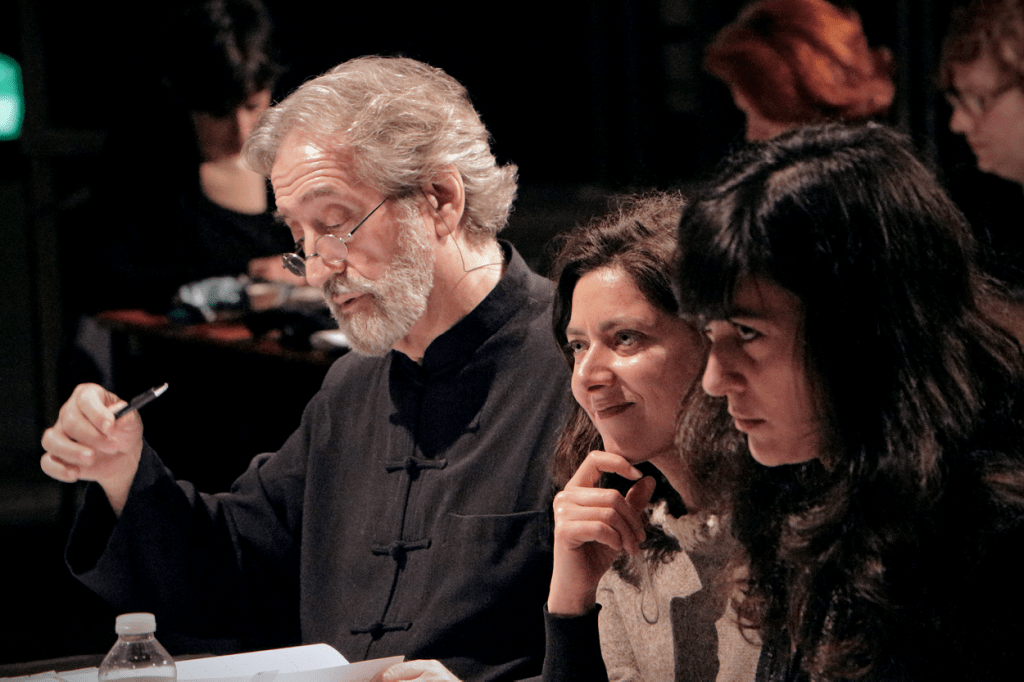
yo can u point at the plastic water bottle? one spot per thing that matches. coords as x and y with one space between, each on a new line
136 654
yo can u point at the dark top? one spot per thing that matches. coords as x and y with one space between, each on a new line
409 514
148 227
573 648
994 207
958 594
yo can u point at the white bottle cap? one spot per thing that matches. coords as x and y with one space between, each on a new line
135 624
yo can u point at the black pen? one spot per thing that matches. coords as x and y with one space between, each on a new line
140 400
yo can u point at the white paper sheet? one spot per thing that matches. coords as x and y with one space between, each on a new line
310 663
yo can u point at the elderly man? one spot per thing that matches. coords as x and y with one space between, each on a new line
982 70
409 513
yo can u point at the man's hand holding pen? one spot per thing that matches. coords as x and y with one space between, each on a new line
88 443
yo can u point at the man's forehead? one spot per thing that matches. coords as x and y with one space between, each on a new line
300 157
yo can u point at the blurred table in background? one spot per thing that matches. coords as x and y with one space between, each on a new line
231 395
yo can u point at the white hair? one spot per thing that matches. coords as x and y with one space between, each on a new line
406 122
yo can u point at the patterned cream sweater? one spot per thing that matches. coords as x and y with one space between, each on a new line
678 624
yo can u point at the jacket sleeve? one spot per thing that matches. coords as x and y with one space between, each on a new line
208 566
573 648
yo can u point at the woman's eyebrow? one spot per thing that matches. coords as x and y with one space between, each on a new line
734 312
621 321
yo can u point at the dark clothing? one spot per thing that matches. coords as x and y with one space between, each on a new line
192 240
573 648
148 227
409 514
957 593
141 261
994 207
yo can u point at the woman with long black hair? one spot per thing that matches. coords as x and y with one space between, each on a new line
837 285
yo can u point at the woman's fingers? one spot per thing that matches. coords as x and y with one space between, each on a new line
599 462
597 515
639 495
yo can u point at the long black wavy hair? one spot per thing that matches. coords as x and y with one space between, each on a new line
909 375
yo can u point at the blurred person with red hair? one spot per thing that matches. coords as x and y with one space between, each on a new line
795 62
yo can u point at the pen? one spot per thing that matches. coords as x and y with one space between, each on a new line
140 400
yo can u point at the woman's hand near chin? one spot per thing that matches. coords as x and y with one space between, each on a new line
592 526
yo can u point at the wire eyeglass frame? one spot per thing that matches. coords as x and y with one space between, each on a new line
334 251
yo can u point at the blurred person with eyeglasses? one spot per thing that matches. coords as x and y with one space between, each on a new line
982 74
410 512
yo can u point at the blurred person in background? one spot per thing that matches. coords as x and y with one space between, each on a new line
795 62
173 201
981 72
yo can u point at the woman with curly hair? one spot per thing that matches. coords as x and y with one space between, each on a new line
837 285
797 62
660 612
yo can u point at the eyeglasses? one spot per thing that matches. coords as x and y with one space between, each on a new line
332 249
976 106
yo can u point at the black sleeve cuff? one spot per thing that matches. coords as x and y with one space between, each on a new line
573 649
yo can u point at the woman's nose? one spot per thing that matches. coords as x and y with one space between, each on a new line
960 122
593 369
720 377
246 120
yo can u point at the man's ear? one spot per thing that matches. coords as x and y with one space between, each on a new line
447 196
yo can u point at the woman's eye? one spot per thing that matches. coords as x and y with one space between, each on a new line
575 347
746 333
626 338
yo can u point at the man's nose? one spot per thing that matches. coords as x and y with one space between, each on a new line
318 271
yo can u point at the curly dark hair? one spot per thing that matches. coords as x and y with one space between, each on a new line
912 380
638 235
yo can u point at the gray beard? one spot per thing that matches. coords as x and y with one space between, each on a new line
398 298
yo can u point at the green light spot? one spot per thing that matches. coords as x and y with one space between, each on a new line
12 99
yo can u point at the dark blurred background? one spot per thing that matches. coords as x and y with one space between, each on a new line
590 99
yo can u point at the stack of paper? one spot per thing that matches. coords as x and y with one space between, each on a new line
310 663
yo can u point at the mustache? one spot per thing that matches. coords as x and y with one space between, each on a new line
342 284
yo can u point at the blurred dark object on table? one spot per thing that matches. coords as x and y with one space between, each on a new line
253 387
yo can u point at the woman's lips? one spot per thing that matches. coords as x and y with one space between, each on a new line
745 424
612 410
